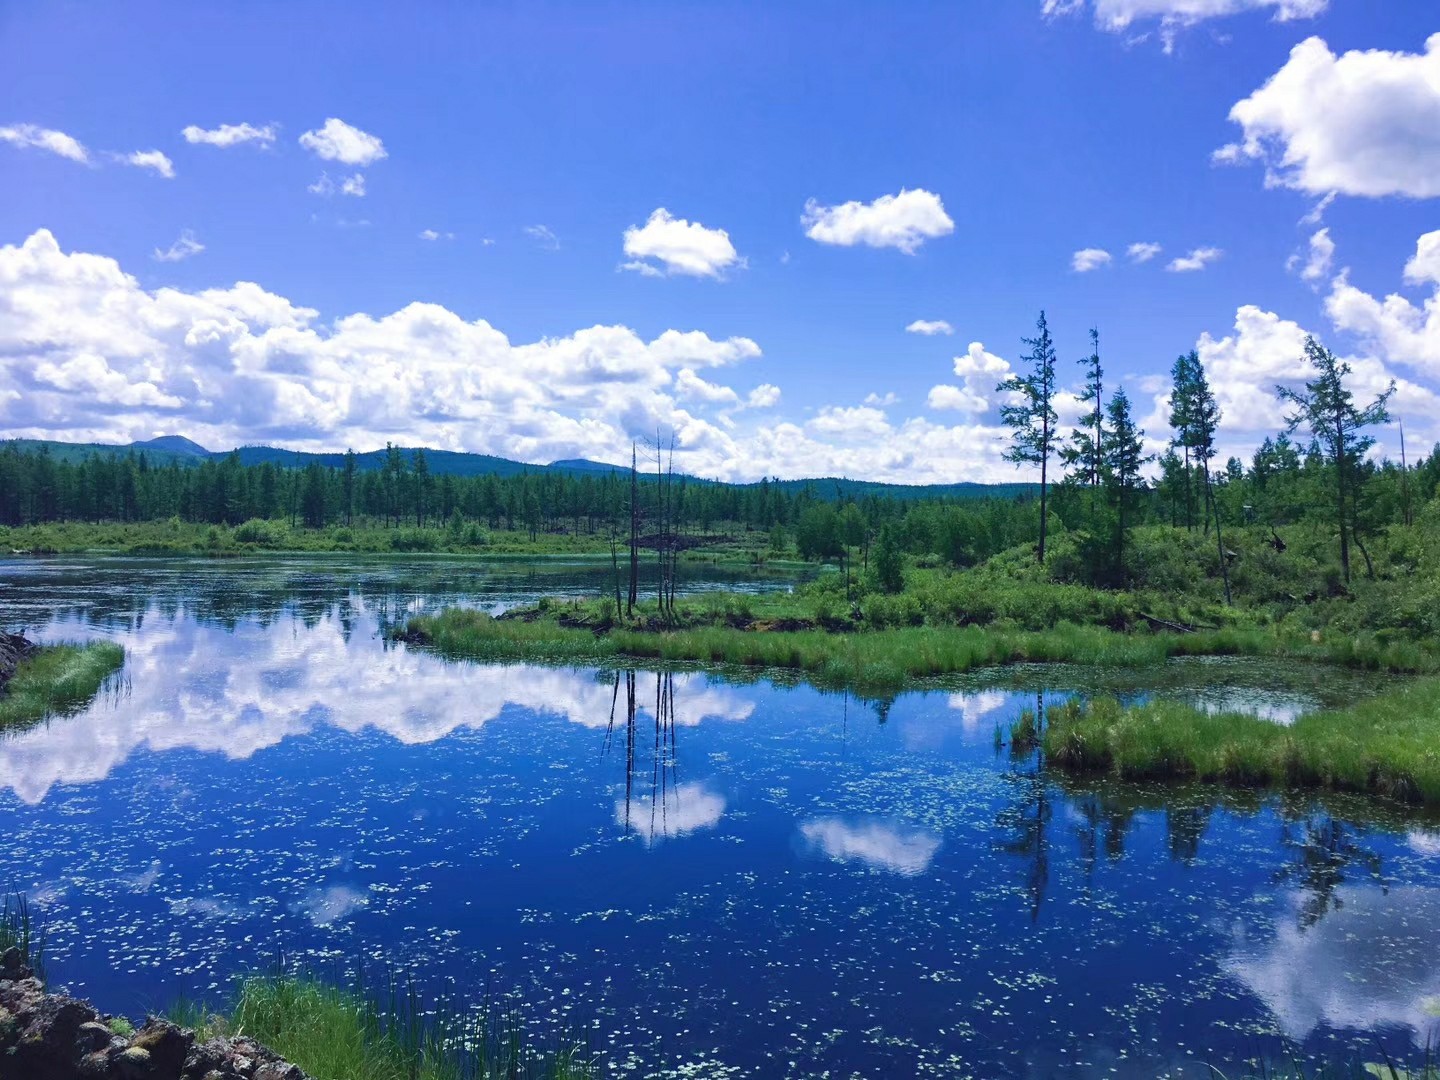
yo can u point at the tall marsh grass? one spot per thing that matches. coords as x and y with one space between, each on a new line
387 1033
1386 745
20 929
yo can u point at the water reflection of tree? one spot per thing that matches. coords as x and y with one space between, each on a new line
1325 852
664 768
1025 822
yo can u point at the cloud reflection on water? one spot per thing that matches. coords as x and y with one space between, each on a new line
875 843
235 693
1371 962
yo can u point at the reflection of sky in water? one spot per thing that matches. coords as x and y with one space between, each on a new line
772 872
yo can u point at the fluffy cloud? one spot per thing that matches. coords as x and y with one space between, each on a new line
981 372
432 235
227 135
1364 123
338 141
1198 259
30 136
1172 16
87 354
1087 259
1424 265
860 422
1142 252
153 160
764 396
1316 263
1264 350
679 247
930 327
903 221
1395 327
185 246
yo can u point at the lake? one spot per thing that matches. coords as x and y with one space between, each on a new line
711 875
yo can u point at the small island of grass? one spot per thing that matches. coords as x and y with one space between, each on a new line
39 681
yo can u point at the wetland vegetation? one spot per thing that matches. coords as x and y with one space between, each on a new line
55 679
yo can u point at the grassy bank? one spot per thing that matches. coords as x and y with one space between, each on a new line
1389 745
335 1033
881 661
56 680
259 536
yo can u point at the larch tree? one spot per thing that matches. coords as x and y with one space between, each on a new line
1085 453
1327 407
1203 418
1122 459
1032 418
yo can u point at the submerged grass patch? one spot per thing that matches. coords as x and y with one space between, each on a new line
57 679
1388 745
331 1032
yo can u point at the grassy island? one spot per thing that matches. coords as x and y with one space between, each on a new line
55 680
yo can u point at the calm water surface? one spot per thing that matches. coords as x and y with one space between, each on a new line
762 879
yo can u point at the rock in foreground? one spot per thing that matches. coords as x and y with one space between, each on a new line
53 1037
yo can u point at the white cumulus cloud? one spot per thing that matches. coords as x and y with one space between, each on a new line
34 137
1087 259
904 221
339 141
1364 123
1198 259
679 247
930 327
153 160
227 135
1142 251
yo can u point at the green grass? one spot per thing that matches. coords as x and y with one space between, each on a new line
879 661
19 929
176 537
56 680
337 1034
1387 745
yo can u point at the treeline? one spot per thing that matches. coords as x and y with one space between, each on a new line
36 488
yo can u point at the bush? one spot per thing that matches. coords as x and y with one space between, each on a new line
262 533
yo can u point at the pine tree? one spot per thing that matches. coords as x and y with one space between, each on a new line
1032 419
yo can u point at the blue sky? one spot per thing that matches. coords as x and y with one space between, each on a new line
1012 135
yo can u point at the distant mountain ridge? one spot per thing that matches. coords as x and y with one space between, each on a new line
177 448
